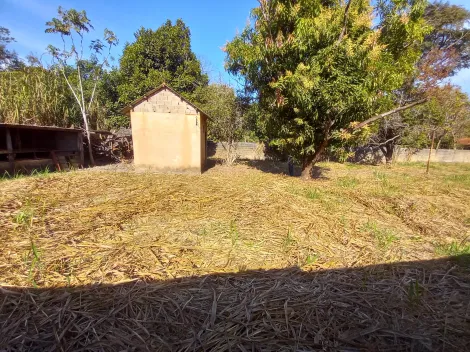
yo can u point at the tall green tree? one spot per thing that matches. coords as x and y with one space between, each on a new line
108 97
316 66
444 51
72 25
158 56
446 115
450 31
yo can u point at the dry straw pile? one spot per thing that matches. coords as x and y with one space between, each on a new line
94 260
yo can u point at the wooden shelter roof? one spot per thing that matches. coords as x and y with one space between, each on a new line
42 128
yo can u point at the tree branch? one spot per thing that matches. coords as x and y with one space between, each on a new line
345 20
71 88
387 141
385 114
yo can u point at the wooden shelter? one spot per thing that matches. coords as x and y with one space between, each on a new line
169 133
31 147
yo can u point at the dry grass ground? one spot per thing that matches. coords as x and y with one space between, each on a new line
61 234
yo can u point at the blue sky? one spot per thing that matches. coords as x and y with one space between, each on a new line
212 24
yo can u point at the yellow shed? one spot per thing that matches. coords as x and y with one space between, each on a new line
168 132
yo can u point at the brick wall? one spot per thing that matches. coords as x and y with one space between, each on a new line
165 101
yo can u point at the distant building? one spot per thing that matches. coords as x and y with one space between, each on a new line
169 133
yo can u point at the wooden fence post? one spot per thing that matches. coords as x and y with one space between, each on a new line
430 151
11 155
80 148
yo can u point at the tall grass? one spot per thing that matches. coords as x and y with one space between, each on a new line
36 95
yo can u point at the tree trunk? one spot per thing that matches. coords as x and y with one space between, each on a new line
90 148
307 165
310 161
430 151
438 145
231 155
389 153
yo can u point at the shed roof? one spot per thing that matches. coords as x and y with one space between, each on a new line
147 95
42 128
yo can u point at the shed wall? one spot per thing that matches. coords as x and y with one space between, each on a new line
167 141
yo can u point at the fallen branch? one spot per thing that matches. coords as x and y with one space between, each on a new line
385 114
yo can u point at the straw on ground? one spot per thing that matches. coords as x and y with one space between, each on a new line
85 228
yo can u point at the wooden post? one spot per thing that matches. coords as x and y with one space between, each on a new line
55 161
11 155
430 151
80 149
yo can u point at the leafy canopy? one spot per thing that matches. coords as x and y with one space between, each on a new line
219 101
163 55
450 31
315 66
447 114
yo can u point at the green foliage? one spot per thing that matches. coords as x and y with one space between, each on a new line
108 97
35 265
315 70
313 193
453 249
226 123
415 292
311 259
348 182
447 113
24 217
220 103
288 241
384 237
461 180
159 56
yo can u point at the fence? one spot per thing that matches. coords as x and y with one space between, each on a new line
440 155
258 151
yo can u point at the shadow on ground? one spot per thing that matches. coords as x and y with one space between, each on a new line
278 167
414 306
211 163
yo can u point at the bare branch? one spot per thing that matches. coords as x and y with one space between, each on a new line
71 88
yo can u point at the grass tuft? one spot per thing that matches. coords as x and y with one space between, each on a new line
453 249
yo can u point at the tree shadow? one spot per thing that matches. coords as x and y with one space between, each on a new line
279 167
408 306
